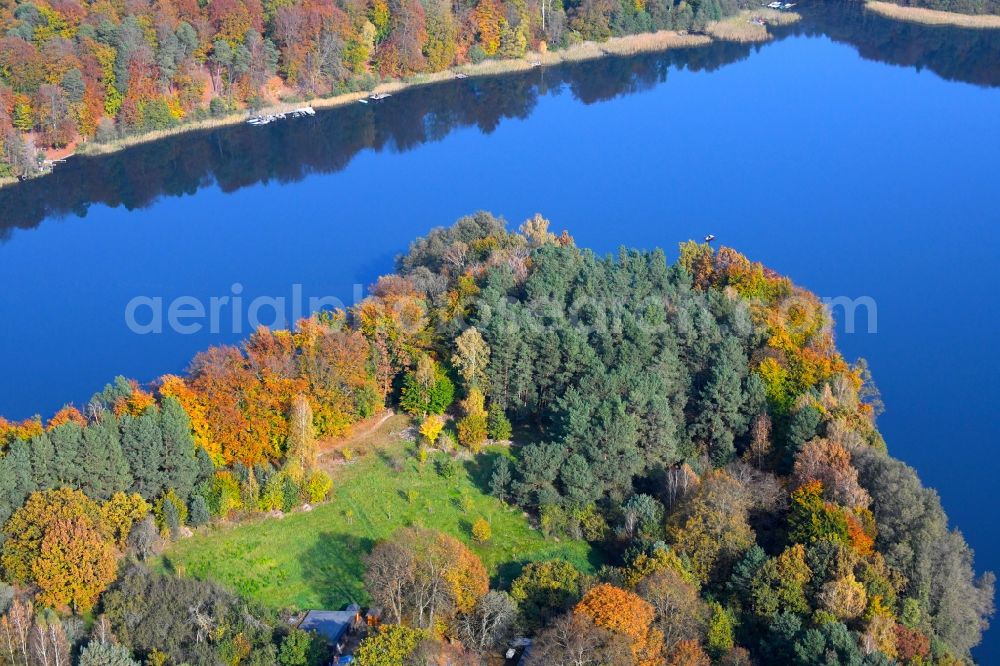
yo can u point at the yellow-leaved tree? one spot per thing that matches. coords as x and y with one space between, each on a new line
58 541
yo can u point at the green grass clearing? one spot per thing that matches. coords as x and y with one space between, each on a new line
315 559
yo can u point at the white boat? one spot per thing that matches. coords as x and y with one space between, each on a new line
709 238
775 5
460 75
379 96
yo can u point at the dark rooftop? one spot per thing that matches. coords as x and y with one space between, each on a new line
332 625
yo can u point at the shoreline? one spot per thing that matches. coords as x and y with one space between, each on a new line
932 17
621 46
627 45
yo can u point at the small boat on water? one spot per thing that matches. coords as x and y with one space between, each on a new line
460 75
709 238
363 100
271 117
379 96
535 63
775 5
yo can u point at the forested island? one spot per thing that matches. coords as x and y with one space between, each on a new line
511 444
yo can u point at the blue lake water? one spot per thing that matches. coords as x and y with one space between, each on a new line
859 156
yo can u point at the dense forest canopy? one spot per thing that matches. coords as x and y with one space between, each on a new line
694 421
72 69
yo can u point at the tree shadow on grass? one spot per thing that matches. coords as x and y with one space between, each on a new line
333 568
506 573
480 469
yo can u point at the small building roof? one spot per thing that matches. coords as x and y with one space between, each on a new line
331 625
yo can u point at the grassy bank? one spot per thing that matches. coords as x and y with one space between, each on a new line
315 559
620 46
749 25
934 16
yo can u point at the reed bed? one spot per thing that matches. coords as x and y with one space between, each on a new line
103 147
732 30
744 28
652 42
934 16
774 16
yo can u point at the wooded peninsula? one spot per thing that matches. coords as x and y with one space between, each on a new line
514 447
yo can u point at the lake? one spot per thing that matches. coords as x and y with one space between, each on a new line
857 155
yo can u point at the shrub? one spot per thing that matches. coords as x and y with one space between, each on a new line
272 497
300 648
170 512
427 389
224 495
446 467
106 131
481 531
218 107
144 540
431 427
446 441
318 485
545 590
390 646
97 653
497 424
289 494
156 115
198 511
472 431
6 597
477 54
120 513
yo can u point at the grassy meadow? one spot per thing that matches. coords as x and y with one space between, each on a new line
315 559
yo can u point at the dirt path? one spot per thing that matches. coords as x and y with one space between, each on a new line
359 432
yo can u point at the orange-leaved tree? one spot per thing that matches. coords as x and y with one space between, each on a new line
625 613
75 564
58 541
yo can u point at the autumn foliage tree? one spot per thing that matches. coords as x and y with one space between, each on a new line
75 563
423 577
242 401
58 542
625 613
829 463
